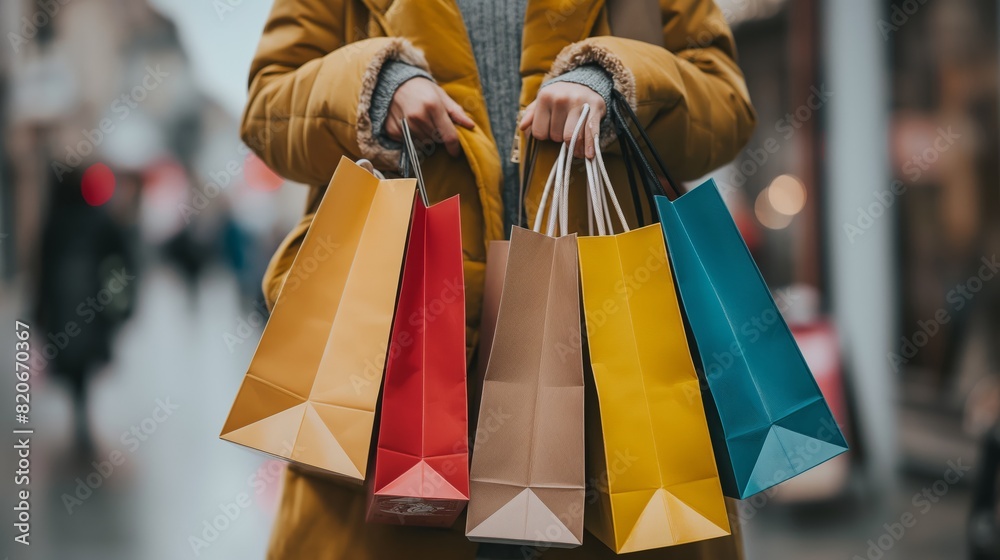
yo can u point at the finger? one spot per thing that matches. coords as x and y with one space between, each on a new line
527 117
456 113
422 128
540 123
393 128
598 110
569 126
445 131
558 121
424 133
589 133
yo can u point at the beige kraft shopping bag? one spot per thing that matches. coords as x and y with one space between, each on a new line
527 479
496 268
527 463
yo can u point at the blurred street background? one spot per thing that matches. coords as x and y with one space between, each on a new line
869 197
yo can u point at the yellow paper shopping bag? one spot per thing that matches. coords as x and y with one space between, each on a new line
649 452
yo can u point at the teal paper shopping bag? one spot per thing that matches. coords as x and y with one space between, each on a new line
768 419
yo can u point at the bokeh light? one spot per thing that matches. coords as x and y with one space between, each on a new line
259 176
767 215
787 195
98 184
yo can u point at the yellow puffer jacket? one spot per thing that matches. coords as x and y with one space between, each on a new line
311 86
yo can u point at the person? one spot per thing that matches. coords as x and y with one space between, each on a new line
335 78
82 299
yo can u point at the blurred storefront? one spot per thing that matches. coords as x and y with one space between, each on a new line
871 186
945 146
111 84
781 191
941 111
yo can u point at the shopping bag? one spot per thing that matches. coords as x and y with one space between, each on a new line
496 269
650 454
768 418
310 391
527 462
421 468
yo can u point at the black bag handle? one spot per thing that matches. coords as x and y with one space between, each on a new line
627 160
622 113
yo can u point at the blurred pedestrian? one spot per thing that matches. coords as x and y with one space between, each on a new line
86 287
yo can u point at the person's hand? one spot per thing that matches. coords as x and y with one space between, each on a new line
553 115
431 114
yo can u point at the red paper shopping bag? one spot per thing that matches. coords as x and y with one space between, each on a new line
422 458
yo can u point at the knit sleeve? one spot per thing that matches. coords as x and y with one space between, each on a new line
590 75
393 74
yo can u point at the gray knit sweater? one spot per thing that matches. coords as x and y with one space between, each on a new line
494 28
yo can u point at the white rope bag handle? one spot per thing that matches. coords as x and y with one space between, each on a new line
557 185
601 191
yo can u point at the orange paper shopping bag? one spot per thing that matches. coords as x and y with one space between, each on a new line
310 393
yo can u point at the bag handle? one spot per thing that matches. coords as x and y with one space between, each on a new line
368 166
553 180
601 191
627 160
557 185
410 163
593 204
622 113
597 202
564 200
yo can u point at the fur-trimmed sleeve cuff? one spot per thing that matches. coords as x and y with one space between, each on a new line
583 53
586 53
393 75
368 138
